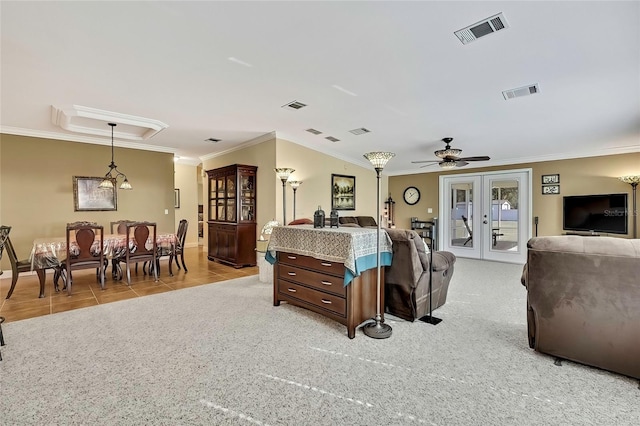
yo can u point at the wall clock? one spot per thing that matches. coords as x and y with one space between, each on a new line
411 195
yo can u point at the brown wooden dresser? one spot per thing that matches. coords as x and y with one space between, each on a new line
318 285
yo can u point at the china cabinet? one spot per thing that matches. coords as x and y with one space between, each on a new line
232 215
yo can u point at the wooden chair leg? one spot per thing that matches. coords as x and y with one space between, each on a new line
14 280
182 260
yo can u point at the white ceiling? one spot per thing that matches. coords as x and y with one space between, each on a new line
414 81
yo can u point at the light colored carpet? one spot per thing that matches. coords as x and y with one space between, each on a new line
222 354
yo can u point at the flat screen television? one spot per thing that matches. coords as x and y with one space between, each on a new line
604 213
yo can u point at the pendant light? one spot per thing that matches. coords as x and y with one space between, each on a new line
109 178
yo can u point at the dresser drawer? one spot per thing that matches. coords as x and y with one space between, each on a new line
322 282
322 266
330 302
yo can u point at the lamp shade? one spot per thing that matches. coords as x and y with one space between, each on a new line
379 159
448 164
284 173
630 179
449 152
295 183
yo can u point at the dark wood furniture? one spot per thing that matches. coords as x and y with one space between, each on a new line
81 256
428 231
136 250
318 285
232 215
181 236
17 266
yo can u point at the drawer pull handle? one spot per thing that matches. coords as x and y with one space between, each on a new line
326 264
326 283
326 302
292 257
291 274
291 290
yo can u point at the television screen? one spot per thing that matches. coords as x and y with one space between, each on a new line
606 213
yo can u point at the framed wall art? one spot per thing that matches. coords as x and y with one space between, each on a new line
551 189
343 192
88 196
550 179
176 198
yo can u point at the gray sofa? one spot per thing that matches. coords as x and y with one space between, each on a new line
583 300
406 281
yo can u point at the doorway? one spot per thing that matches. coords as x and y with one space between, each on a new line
486 215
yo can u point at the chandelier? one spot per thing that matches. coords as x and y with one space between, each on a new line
110 178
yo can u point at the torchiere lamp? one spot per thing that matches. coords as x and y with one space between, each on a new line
294 185
284 173
378 329
633 181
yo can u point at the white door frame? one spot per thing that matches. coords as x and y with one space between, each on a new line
483 249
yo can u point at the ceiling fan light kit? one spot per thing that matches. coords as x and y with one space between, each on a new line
450 157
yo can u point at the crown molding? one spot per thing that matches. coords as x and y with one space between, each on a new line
82 139
250 142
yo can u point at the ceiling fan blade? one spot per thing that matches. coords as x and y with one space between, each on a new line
427 165
425 161
461 163
479 158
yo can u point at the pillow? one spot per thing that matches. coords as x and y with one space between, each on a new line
303 221
347 219
366 221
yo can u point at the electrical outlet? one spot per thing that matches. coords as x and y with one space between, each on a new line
429 210
166 211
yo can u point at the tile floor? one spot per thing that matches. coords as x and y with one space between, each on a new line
24 302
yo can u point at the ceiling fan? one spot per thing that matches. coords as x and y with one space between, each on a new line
450 157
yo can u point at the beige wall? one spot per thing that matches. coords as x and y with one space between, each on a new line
37 187
311 167
186 180
592 175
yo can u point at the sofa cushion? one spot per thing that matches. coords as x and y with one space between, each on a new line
347 219
303 221
366 221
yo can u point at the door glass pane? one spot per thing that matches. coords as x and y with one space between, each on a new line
461 228
504 215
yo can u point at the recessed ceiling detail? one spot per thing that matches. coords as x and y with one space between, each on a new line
531 89
482 28
360 131
314 131
332 139
92 121
295 105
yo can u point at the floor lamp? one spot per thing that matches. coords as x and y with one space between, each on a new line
294 185
430 319
633 181
284 173
378 329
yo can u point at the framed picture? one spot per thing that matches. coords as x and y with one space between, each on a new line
176 198
343 192
549 179
88 196
551 189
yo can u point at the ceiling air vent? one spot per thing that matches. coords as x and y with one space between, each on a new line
482 28
360 131
314 131
332 139
531 89
213 140
295 105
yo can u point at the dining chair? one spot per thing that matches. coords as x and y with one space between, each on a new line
84 253
17 266
179 248
120 226
466 224
138 233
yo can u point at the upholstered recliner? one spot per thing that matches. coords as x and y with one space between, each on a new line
583 300
407 279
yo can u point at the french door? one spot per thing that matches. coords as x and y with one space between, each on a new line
486 215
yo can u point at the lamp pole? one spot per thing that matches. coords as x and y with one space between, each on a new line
378 329
284 173
294 185
633 181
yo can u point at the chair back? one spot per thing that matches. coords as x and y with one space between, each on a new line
85 253
4 234
120 226
138 233
466 224
181 235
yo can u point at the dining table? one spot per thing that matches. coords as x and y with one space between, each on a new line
50 252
